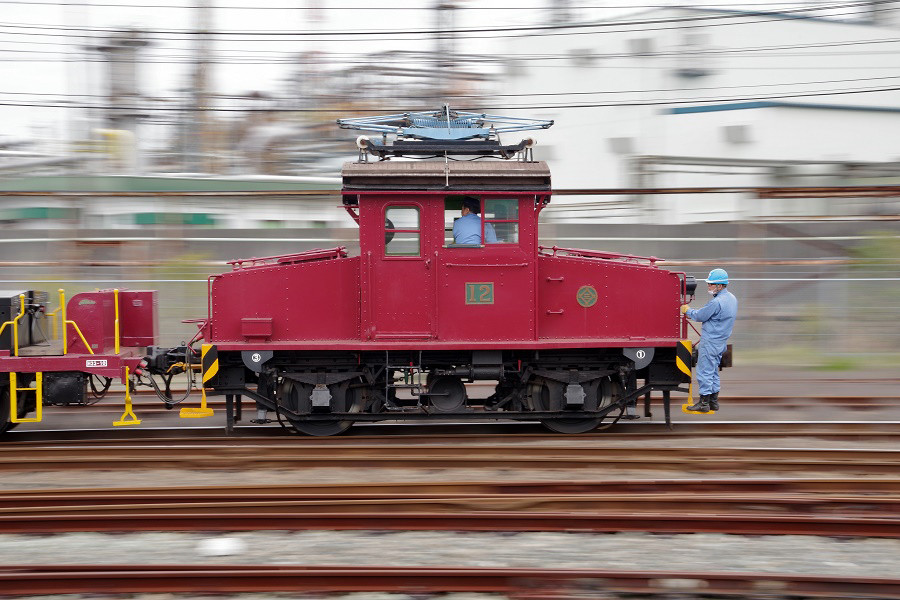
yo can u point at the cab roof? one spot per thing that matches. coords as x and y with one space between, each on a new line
509 175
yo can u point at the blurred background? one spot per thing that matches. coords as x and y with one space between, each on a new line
182 103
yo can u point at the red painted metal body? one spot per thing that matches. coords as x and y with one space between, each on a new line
94 313
420 291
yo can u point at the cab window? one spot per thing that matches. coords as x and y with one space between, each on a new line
499 221
452 206
503 215
401 231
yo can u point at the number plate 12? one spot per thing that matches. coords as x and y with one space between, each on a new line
479 293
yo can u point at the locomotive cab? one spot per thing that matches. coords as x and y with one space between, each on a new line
417 281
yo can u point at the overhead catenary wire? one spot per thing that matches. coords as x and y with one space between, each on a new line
296 57
635 102
524 30
500 95
699 51
402 7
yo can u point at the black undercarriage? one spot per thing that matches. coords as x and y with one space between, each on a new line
324 393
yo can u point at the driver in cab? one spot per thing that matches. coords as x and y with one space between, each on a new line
467 228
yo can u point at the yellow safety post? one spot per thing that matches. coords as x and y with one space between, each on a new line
116 302
209 361
197 413
62 308
52 314
128 417
14 390
66 323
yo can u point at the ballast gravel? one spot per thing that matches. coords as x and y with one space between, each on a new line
866 557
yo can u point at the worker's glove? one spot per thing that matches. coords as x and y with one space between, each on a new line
684 308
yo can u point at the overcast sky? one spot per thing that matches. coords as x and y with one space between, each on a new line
45 55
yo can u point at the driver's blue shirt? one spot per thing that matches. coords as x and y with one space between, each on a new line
467 230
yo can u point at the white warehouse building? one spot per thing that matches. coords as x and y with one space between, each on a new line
684 97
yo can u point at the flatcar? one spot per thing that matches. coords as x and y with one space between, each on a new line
324 339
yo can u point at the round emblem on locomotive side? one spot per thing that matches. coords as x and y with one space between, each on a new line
587 296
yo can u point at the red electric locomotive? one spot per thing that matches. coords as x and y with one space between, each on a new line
324 339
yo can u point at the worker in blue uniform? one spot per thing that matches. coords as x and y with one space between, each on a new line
467 228
718 320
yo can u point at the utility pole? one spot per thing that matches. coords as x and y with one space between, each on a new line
445 45
561 12
199 144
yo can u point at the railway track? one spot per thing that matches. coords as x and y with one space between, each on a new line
785 506
878 486
451 433
519 583
247 453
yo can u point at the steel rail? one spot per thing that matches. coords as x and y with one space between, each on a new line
811 514
424 432
246 454
868 486
656 522
523 582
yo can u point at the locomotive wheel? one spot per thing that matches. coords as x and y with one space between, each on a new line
447 394
298 398
550 396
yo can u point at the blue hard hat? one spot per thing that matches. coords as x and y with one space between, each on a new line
717 276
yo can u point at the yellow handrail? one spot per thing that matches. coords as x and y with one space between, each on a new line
66 323
78 331
116 301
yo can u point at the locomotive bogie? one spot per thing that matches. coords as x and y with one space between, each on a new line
324 393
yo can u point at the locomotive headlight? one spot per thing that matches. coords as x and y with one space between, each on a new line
690 285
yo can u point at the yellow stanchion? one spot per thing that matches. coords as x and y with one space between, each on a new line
128 417
197 413
14 389
66 323
62 309
116 301
55 320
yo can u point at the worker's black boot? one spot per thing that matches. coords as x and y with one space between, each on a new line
702 404
714 401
